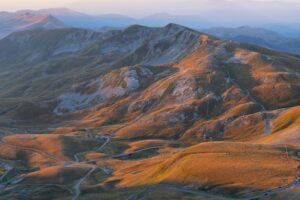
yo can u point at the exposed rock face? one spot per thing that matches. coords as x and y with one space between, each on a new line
115 84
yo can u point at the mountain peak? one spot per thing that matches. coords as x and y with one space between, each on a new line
136 27
52 22
173 25
176 27
27 19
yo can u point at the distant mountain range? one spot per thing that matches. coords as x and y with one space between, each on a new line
203 20
63 17
259 36
81 20
19 21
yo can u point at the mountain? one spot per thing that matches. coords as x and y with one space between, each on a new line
59 12
288 30
203 20
142 112
259 36
82 20
26 47
11 22
162 19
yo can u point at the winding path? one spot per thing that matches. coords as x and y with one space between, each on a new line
98 138
76 188
8 169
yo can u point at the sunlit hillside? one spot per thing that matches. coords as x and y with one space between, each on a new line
135 112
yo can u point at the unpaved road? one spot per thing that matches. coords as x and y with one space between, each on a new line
76 188
107 140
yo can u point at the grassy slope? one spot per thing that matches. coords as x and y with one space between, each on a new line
286 128
221 165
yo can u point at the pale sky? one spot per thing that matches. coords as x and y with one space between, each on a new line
139 8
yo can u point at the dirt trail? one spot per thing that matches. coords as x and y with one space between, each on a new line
76 188
107 140
7 168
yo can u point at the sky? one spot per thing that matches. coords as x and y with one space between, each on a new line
279 10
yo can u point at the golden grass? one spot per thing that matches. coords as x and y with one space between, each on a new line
61 147
49 143
146 144
223 164
286 128
29 158
289 119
